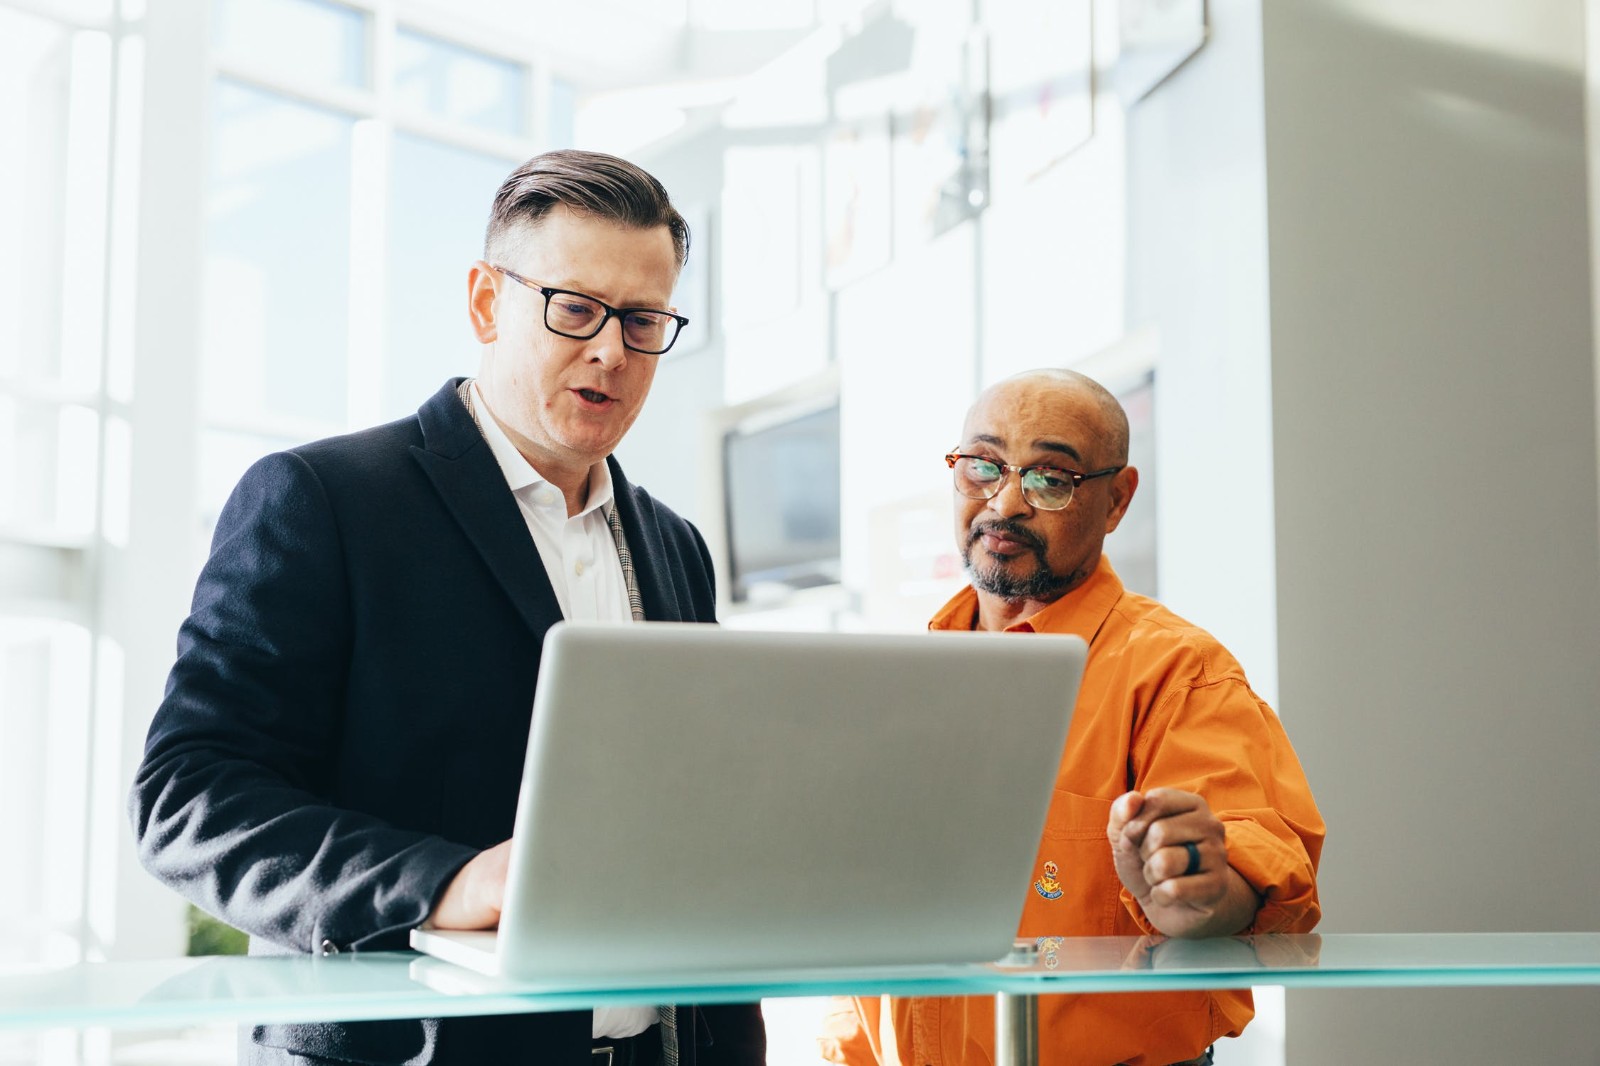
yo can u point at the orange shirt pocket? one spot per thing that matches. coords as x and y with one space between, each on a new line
1074 888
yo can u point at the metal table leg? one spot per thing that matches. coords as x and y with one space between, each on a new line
1016 1029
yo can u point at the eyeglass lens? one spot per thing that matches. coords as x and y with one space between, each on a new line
981 479
579 316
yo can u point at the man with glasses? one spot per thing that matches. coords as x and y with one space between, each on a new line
1180 808
338 756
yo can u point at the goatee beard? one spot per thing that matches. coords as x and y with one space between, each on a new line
1042 584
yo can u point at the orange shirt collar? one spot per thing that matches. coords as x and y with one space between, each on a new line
1080 612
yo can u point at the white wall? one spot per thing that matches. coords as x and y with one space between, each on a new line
1157 222
663 450
1438 537
1197 275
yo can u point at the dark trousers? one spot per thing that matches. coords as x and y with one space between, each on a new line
641 1050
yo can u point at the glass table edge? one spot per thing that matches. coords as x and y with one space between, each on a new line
410 1001
323 1008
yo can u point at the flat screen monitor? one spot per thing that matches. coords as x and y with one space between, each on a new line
781 500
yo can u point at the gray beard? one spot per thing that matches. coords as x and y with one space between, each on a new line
1042 585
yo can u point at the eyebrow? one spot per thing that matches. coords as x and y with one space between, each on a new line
1041 445
572 286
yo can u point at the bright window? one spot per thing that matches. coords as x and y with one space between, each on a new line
439 205
348 167
53 131
277 261
54 140
459 85
307 40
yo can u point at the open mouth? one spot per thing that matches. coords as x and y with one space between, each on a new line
593 395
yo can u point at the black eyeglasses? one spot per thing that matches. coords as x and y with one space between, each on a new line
1048 488
576 315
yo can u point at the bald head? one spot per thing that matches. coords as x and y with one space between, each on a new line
1024 547
1050 387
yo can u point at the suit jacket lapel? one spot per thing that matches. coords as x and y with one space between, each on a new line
471 485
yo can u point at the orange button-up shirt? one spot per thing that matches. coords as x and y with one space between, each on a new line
1161 704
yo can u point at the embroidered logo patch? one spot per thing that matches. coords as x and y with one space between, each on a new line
1047 886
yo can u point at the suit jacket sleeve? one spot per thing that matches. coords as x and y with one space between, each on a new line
229 804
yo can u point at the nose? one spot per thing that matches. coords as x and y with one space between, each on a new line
1009 502
606 347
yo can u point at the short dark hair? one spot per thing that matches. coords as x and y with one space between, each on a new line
589 182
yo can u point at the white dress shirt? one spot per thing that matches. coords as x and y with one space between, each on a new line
579 553
581 558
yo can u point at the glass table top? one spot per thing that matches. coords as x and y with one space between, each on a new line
355 987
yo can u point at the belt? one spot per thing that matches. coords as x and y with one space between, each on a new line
641 1050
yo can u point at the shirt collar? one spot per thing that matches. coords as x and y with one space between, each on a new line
520 474
1080 612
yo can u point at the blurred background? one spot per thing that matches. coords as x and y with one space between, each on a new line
1334 255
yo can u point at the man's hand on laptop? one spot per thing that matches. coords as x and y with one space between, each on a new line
473 898
1172 855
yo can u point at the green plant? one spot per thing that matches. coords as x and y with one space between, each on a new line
208 936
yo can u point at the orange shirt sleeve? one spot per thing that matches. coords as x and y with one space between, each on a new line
850 1031
1210 734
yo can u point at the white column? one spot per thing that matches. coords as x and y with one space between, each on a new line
1438 567
141 606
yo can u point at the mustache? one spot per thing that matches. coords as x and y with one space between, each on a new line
1010 528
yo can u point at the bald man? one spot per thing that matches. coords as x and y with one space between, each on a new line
1180 808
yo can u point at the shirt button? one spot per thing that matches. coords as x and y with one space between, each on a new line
578 567
544 498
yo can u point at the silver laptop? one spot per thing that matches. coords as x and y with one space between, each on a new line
699 801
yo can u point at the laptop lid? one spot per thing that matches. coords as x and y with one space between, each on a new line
699 799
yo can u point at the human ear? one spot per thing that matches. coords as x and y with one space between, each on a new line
482 290
1124 483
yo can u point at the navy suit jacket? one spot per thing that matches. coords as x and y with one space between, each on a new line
346 722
